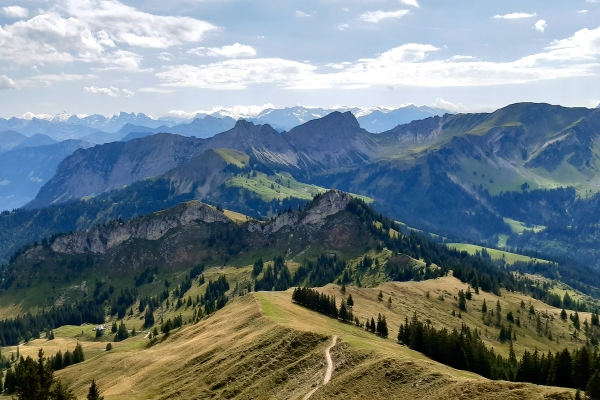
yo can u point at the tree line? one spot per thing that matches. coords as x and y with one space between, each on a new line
325 304
29 326
480 273
29 379
464 349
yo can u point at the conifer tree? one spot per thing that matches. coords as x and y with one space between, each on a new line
148 318
350 301
462 302
582 369
343 289
498 312
94 392
563 315
9 381
380 296
484 307
78 354
61 392
592 389
122 332
343 313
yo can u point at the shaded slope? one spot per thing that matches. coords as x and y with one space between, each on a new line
23 171
187 182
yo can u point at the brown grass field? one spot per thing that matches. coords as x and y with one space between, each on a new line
262 346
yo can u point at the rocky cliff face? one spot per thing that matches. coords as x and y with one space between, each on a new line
334 141
100 240
111 166
315 215
153 227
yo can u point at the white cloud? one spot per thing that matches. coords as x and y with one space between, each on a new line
343 27
126 24
63 77
235 74
582 11
459 107
235 50
378 16
235 112
165 56
128 93
93 31
406 65
541 25
461 58
592 1
302 14
29 116
410 3
109 91
7 83
123 60
155 90
515 16
15 12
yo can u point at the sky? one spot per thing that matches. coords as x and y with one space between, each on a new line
177 57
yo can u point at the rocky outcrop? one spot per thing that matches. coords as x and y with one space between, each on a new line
153 227
314 215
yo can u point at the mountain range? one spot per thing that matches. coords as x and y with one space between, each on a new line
470 238
443 174
91 128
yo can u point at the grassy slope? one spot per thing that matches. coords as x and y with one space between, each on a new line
233 157
279 186
495 254
263 346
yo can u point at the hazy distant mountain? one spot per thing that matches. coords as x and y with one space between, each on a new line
56 129
101 129
10 140
36 140
24 171
204 127
373 119
380 121
116 122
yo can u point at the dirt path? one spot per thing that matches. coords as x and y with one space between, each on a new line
328 371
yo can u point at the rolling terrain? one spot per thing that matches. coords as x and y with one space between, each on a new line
264 346
239 335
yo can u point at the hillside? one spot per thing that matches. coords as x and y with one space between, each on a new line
173 241
220 176
194 266
263 346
